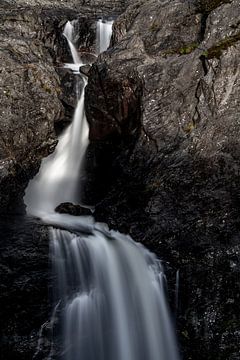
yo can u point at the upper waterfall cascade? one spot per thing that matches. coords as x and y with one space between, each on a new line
104 33
110 291
57 179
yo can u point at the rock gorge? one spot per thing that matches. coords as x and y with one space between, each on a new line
163 108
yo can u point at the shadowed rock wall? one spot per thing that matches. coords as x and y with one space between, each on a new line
36 96
175 186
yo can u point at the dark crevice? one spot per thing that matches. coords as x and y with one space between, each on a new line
204 64
213 91
203 27
196 115
106 102
207 6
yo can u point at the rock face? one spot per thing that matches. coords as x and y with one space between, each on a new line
93 7
175 180
24 286
30 103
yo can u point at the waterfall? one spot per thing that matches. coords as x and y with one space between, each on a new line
104 33
69 34
113 296
109 290
57 180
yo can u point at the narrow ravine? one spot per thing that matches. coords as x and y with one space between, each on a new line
109 290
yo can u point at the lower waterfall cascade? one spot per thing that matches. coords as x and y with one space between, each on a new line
109 290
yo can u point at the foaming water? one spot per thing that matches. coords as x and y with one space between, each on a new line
109 294
113 296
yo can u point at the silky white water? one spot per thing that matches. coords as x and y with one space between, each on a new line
104 33
69 34
109 292
112 292
57 180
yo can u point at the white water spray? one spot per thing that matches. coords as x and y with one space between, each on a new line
110 289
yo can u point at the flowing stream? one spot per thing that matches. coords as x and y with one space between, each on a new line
110 290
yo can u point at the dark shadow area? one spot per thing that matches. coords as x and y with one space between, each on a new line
24 285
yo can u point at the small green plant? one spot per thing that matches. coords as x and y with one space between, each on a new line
185 334
154 27
189 127
188 49
205 53
185 50
216 50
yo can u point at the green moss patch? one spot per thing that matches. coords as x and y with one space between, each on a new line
216 50
187 49
184 50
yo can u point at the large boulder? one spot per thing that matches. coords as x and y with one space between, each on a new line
72 209
175 182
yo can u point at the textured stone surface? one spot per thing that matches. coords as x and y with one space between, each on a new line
175 186
29 102
24 286
93 7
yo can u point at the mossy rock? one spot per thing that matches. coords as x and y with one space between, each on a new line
216 50
188 49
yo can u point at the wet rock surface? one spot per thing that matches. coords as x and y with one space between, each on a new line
175 185
72 209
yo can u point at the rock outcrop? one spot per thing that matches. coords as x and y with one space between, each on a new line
29 102
72 209
175 182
